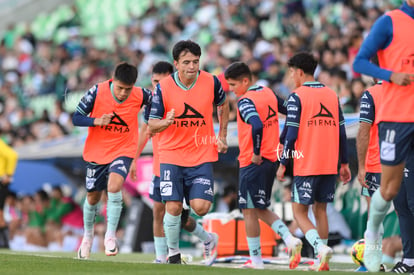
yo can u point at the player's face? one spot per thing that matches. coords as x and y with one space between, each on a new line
410 3
156 78
187 66
121 90
238 87
295 76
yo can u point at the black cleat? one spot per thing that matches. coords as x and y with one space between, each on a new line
401 267
176 259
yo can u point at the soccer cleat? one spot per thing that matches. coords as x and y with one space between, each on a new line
373 253
401 267
250 265
176 259
322 264
85 249
294 250
361 268
210 249
111 246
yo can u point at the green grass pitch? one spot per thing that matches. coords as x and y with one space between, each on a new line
27 263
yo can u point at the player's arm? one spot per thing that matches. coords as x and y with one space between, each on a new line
366 119
157 123
10 158
281 105
379 37
292 128
223 110
344 171
249 115
81 116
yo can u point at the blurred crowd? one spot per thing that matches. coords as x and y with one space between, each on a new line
52 220
262 33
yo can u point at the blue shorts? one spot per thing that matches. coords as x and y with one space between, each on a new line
308 189
97 174
178 182
255 185
373 181
154 192
396 141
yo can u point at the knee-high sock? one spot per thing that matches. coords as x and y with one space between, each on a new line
255 249
281 229
377 212
172 227
200 233
314 239
114 209
89 214
161 249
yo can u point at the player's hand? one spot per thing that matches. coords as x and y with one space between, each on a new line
169 119
133 170
280 175
402 79
222 146
345 173
105 119
361 177
257 159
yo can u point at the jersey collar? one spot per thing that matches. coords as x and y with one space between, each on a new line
181 85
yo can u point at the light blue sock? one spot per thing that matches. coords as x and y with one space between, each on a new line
386 259
281 229
255 249
114 209
200 233
89 214
377 212
161 249
172 227
313 238
324 241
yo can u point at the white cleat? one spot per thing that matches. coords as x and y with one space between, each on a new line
85 249
111 246
210 250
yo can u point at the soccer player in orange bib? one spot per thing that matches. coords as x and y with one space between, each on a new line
110 110
315 139
392 40
258 132
161 70
182 113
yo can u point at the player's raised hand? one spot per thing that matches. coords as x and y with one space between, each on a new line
105 119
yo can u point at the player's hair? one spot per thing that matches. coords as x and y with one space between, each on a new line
126 73
185 46
238 71
163 67
304 61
